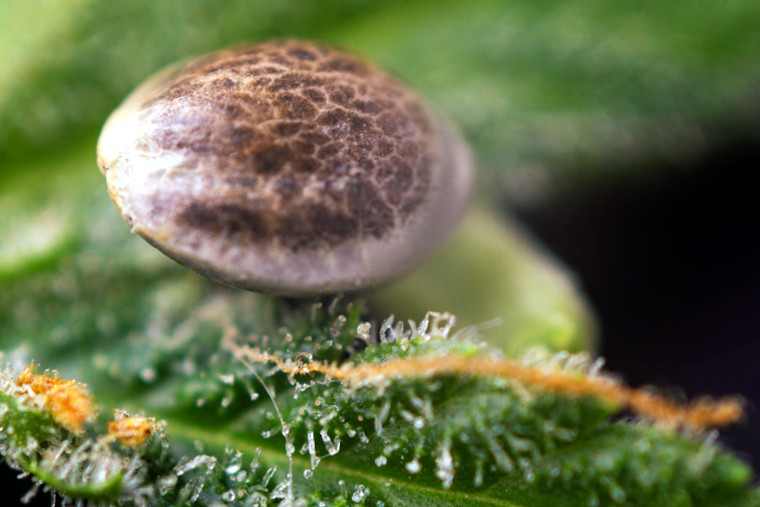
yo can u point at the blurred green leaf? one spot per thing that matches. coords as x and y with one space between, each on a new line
492 276
172 346
61 78
582 85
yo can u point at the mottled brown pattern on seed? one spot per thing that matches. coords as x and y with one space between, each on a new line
306 147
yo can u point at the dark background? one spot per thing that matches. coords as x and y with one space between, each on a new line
671 263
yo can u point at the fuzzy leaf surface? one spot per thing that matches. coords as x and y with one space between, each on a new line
589 86
237 421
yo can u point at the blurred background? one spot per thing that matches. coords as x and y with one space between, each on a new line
623 134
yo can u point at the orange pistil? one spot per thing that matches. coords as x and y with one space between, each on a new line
131 431
66 400
701 414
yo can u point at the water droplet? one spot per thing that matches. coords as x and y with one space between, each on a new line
386 331
381 461
283 489
202 460
228 496
308 474
332 448
520 445
445 467
422 328
268 476
381 417
363 331
642 445
596 367
565 434
617 493
30 494
450 322
235 464
314 459
228 379
477 481
604 463
413 467
31 445
406 415
359 493
327 418
503 461
255 461
166 484
148 374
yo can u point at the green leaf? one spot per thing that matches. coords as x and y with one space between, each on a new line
590 86
66 65
587 86
391 438
517 294
151 338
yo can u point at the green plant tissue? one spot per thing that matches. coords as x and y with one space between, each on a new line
471 382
